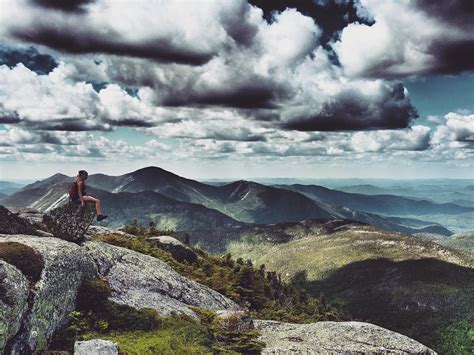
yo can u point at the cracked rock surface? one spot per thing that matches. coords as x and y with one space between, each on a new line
13 301
141 281
54 295
335 338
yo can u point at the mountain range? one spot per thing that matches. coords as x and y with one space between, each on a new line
175 202
383 203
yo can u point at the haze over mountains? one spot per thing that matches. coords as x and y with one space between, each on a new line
175 202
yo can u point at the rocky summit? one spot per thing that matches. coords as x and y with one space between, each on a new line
70 221
38 296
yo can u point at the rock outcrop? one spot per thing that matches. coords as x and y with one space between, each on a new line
13 301
141 281
10 223
101 230
178 250
54 295
95 347
70 221
335 338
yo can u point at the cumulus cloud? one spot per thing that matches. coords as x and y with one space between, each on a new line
415 138
23 144
54 102
160 30
423 37
272 71
456 128
223 79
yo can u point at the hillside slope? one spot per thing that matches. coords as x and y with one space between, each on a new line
412 286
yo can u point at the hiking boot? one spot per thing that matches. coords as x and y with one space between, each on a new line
100 217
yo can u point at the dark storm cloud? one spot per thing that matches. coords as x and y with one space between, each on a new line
453 57
239 97
353 112
130 122
77 6
39 63
331 15
457 12
80 40
66 124
8 117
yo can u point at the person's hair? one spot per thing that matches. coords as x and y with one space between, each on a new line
83 173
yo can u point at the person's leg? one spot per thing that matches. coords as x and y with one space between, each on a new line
96 201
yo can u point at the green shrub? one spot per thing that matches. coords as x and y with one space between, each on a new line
228 336
135 228
135 331
24 258
266 296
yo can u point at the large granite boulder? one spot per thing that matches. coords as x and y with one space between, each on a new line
141 281
335 338
178 250
10 223
53 297
70 221
95 347
13 301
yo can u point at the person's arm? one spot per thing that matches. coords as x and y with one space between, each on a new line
79 191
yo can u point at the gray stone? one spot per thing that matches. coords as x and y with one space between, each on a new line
10 223
13 301
178 250
33 216
335 338
95 347
141 281
101 230
66 265
70 221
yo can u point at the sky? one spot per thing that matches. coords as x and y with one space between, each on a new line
237 89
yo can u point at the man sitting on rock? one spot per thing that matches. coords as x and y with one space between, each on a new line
77 191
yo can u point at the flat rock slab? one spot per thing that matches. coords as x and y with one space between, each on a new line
141 281
335 338
95 347
70 221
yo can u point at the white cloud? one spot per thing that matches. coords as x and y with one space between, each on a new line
408 37
457 128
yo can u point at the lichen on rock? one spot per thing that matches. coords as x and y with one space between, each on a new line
335 338
70 221
95 347
13 301
142 281
66 265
